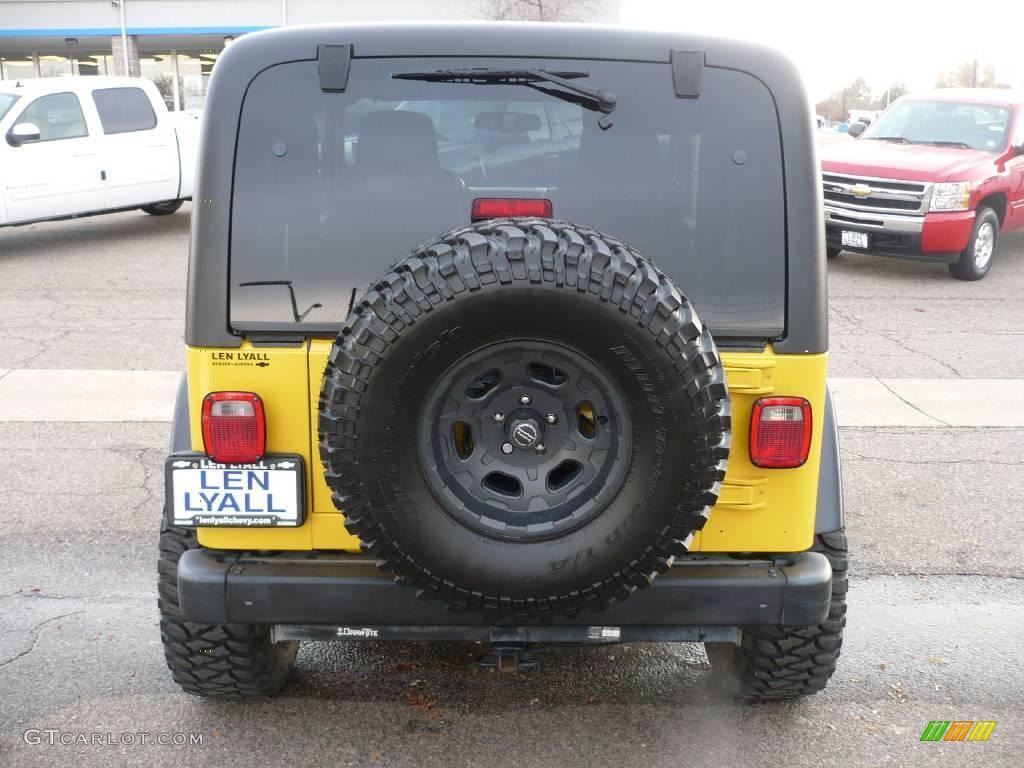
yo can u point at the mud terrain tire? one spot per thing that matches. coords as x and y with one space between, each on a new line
551 313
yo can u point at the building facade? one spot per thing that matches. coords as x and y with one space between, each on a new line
175 43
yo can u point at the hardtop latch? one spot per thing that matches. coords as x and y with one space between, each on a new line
687 73
334 62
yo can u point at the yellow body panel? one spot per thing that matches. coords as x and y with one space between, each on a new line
767 510
759 510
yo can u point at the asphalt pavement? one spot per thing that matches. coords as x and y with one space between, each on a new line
936 599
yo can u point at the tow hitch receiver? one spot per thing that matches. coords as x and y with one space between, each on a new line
507 657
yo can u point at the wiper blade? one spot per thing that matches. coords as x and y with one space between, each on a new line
299 316
947 144
899 139
592 98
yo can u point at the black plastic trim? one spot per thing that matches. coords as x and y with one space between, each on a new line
687 73
310 588
181 424
334 62
908 245
269 459
830 516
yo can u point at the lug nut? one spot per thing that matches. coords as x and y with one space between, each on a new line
498 416
539 447
525 399
551 418
506 448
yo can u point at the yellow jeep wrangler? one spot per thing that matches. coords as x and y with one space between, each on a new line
507 334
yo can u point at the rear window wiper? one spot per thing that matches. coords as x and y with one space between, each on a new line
299 316
900 139
594 99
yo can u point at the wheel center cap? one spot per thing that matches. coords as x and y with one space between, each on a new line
524 433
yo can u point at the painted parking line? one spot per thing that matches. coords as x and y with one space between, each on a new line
871 403
148 396
82 395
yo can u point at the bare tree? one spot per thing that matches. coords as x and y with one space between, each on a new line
537 10
856 95
890 94
967 74
165 84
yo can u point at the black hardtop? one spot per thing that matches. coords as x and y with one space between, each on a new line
207 318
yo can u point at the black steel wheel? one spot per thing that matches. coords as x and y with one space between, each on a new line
525 440
524 417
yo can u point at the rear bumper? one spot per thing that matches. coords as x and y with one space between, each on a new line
335 590
934 237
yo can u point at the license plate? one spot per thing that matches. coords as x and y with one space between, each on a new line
855 239
268 494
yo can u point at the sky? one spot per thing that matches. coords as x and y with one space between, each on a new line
835 41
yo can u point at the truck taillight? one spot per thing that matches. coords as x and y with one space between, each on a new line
507 207
780 432
234 427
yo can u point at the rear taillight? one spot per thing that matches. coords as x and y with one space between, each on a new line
234 427
506 207
780 432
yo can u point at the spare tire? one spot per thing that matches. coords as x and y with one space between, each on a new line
524 417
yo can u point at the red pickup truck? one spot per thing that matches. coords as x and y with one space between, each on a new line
937 177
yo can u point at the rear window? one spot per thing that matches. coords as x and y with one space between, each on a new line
332 188
123 110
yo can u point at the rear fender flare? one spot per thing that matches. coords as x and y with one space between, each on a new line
181 425
829 516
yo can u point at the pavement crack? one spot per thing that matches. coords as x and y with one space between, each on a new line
859 325
34 631
966 574
911 405
140 456
45 346
887 460
914 351
39 596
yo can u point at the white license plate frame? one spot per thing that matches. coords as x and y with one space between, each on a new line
204 494
852 239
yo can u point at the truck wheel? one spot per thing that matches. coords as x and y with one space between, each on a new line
214 659
524 417
162 209
833 252
976 259
775 663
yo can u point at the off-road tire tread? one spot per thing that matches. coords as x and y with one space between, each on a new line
214 659
481 258
777 663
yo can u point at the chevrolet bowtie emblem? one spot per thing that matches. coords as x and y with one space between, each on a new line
860 190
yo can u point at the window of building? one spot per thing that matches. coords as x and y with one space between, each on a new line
123 110
17 68
159 67
194 69
54 65
57 115
95 64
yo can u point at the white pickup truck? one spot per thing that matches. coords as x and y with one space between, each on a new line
79 146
